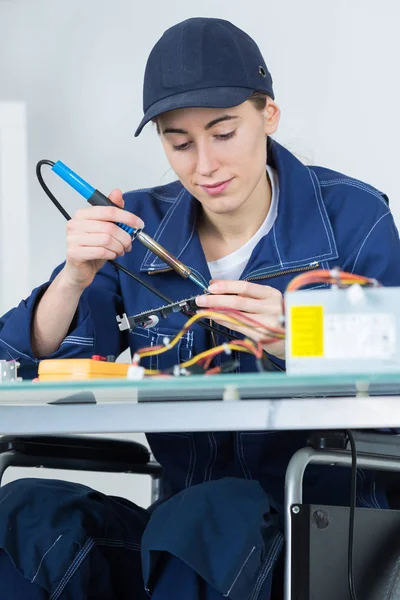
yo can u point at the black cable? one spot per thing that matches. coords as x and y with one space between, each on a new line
141 281
46 189
353 495
68 217
118 265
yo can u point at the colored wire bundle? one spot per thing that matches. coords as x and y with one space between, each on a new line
265 334
204 359
330 276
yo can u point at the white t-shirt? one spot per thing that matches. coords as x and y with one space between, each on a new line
233 265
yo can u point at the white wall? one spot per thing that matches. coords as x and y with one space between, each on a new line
79 67
14 205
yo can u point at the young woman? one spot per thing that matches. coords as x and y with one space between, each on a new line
246 214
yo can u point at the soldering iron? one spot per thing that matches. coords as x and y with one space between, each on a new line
96 198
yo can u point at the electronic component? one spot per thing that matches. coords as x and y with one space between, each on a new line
9 371
353 330
150 318
135 373
78 369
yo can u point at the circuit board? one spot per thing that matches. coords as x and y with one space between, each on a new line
150 318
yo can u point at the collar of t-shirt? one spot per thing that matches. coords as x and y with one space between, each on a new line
232 266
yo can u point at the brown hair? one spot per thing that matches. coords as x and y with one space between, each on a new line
154 120
259 100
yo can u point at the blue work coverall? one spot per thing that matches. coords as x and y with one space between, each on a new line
218 530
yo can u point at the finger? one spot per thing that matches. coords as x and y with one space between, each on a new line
109 213
243 288
274 347
117 197
241 303
104 240
85 253
88 227
265 322
257 323
253 334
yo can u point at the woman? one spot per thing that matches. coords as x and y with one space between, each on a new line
246 214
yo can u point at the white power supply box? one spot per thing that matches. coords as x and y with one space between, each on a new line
353 330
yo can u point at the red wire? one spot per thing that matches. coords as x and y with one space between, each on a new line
213 371
249 319
149 349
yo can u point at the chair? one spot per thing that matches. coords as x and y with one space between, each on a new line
317 536
80 453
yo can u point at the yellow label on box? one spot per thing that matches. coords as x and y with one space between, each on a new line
307 331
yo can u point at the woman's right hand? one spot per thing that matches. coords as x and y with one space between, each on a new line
93 238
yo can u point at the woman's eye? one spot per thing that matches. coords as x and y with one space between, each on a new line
225 136
184 146
220 136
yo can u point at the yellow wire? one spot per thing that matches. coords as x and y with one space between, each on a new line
178 336
243 323
205 354
196 317
152 372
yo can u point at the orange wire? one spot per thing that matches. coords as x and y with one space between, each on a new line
326 276
250 320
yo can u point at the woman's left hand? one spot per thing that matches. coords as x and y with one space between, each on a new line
260 302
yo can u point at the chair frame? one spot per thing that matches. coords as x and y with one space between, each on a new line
294 486
14 458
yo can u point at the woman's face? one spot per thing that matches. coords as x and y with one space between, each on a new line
219 154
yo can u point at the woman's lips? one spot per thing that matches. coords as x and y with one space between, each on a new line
216 189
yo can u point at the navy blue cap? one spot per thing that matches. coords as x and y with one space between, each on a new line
202 62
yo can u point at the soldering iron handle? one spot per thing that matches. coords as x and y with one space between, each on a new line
92 195
99 199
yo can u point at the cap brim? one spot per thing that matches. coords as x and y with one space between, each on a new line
225 97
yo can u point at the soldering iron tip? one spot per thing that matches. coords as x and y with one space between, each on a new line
198 282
